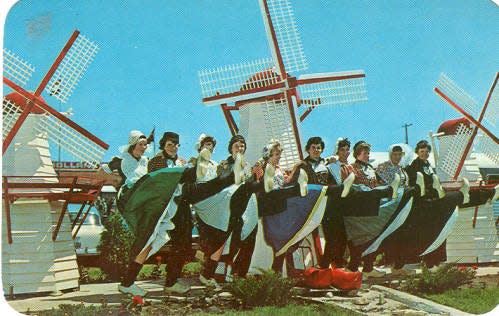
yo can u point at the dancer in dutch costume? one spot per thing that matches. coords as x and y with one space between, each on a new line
211 236
333 225
399 157
227 212
180 219
131 166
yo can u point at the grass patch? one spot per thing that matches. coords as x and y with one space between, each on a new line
77 310
289 310
292 309
269 288
148 272
95 275
192 269
476 301
447 277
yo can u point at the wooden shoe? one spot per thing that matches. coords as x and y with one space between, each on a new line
239 169
268 177
496 194
202 163
465 189
437 186
420 183
347 185
395 185
303 181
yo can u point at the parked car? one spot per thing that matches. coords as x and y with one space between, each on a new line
88 236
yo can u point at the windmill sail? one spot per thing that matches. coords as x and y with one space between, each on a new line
333 88
282 24
72 68
457 148
61 131
237 82
16 69
458 95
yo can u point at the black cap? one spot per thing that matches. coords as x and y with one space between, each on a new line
172 136
314 140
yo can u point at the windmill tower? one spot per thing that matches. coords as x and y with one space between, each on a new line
268 97
37 249
474 237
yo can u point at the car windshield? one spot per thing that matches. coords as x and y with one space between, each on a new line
92 219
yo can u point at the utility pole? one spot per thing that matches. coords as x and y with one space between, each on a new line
405 126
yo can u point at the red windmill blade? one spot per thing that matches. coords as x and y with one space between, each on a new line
268 83
452 161
59 82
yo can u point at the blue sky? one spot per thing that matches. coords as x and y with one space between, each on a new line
145 73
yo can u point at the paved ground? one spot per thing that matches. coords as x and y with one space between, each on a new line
371 299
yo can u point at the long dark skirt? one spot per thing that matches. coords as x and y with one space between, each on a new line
421 229
300 216
143 204
221 210
359 202
363 231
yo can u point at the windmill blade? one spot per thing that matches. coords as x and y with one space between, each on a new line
333 88
457 95
71 69
274 122
492 111
16 69
61 131
452 148
238 82
283 36
11 113
489 148
71 140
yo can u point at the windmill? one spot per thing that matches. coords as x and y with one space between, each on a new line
38 252
476 241
458 147
268 95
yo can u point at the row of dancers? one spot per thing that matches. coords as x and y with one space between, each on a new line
401 212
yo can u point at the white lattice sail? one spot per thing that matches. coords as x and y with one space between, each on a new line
16 69
59 133
286 31
11 113
451 150
337 92
273 121
489 148
457 95
72 68
238 77
72 141
492 111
